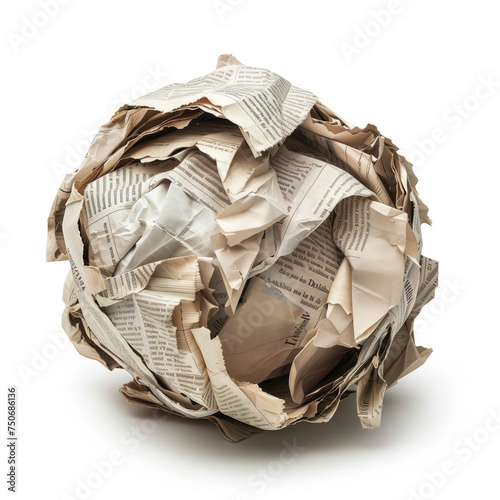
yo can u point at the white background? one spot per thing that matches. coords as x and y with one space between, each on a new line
410 76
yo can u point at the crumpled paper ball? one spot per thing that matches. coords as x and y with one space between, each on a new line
246 254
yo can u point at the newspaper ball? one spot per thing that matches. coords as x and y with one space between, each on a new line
246 254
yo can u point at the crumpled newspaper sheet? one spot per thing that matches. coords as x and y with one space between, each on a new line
246 254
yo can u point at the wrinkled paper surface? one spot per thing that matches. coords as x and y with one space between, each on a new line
247 255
